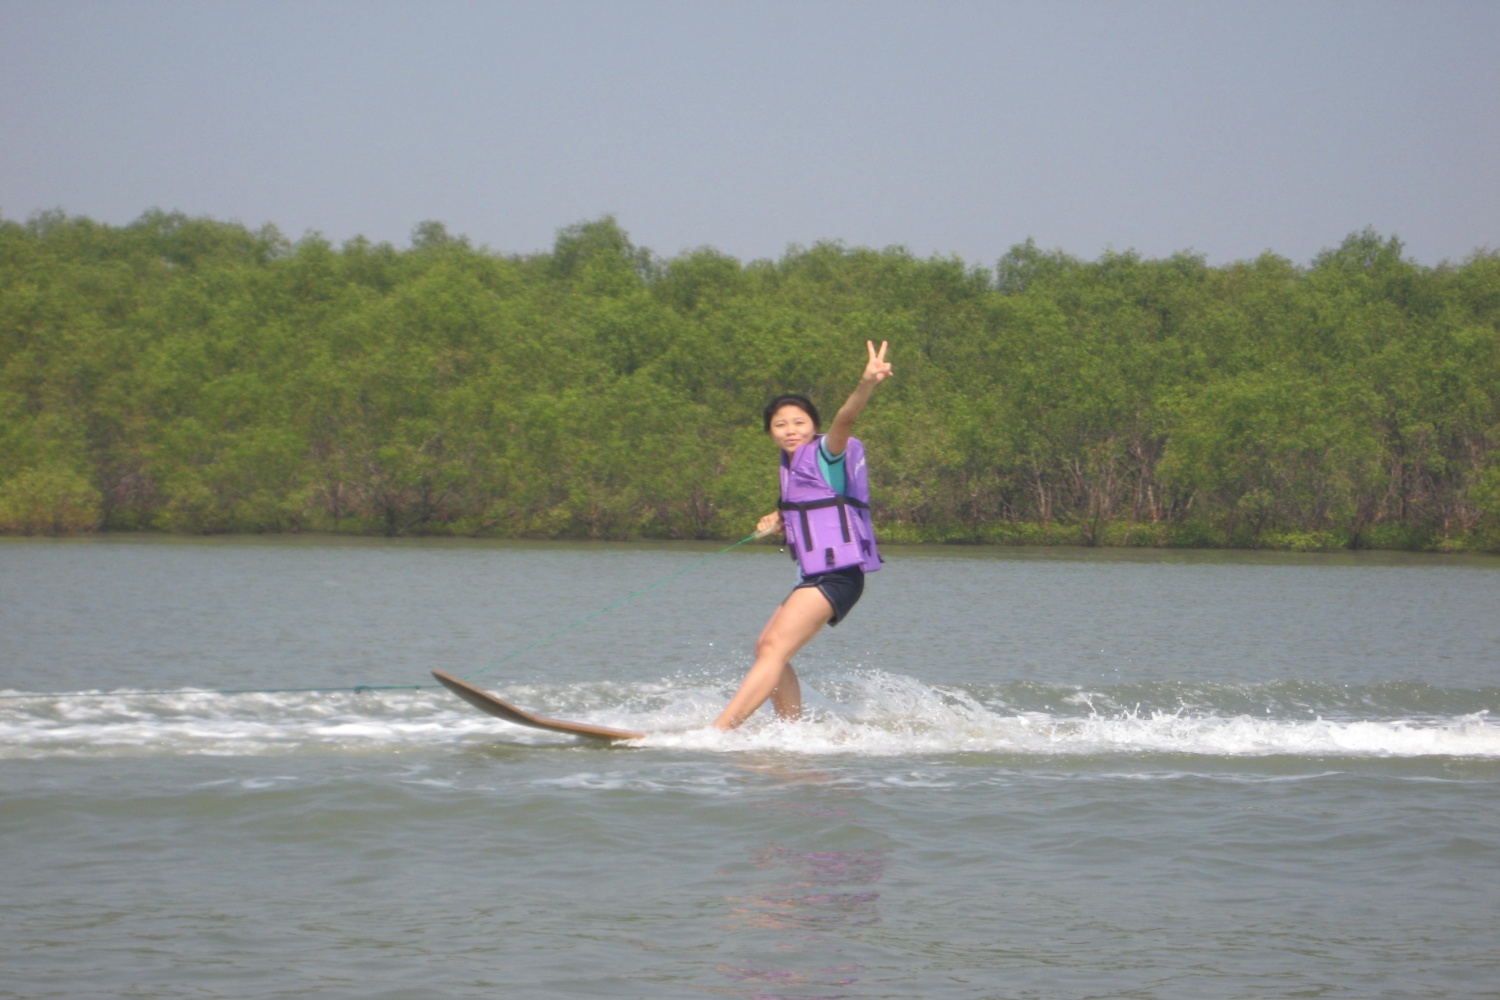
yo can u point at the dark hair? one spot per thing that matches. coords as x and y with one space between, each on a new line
791 399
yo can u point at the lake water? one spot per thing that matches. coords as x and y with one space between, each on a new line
225 772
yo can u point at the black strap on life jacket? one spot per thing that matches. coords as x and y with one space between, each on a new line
843 503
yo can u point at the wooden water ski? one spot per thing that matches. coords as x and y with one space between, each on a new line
486 702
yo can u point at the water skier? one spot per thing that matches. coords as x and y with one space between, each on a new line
825 514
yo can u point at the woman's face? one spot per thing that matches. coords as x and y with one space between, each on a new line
791 428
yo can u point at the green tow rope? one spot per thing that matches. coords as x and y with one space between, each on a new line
628 597
367 688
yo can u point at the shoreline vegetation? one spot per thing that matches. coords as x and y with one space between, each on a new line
186 375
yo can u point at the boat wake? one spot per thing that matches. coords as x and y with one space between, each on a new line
860 712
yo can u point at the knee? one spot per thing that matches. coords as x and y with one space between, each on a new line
772 643
764 646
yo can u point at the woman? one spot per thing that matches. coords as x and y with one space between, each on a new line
824 512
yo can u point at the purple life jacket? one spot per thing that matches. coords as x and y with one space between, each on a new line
827 530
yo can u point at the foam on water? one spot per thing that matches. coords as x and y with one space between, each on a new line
884 714
124 723
869 713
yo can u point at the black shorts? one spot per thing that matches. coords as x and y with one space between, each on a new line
842 588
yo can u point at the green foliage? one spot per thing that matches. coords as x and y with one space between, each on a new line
48 501
184 374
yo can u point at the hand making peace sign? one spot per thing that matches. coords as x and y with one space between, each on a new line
878 368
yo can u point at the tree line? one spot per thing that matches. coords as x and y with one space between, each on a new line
191 375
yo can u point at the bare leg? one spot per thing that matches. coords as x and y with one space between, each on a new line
786 699
798 619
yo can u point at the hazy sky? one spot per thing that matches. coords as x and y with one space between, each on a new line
1225 128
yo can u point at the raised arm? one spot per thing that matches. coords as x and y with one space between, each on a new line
877 370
